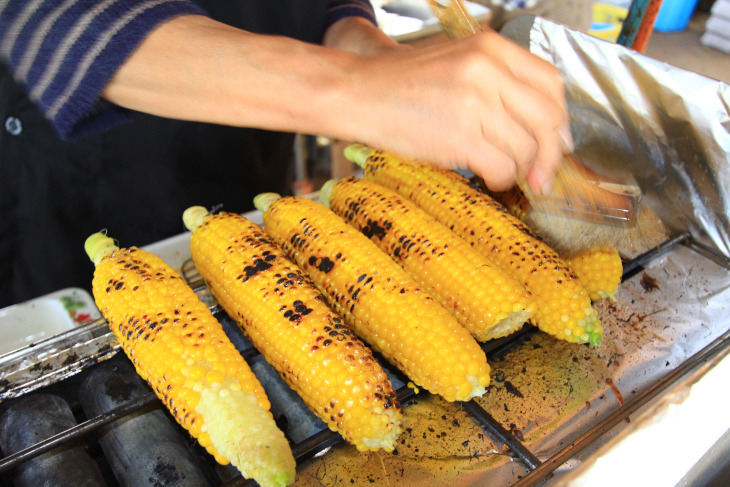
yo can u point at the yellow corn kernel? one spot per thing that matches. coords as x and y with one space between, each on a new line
599 270
486 300
382 303
152 311
288 320
563 306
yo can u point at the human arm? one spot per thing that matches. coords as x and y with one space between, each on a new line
481 103
469 104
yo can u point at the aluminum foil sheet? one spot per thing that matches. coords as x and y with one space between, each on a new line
637 118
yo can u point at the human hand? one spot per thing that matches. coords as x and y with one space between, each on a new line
482 103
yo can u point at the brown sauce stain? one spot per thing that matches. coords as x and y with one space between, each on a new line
649 283
615 390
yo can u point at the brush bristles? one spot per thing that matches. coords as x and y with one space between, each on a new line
582 194
569 236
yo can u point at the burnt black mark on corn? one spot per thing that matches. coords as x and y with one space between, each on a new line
323 264
374 229
298 310
301 308
259 265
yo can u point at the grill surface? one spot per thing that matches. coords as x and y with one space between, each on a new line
467 440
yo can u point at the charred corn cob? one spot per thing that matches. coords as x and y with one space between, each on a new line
384 305
287 319
486 300
181 350
564 308
514 200
599 268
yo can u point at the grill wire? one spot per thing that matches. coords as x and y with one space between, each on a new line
319 443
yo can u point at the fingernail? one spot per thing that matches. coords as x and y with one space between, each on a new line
547 186
540 182
566 139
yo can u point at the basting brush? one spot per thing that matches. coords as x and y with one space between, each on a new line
569 231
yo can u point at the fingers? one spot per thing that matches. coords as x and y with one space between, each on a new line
543 120
533 96
529 69
496 168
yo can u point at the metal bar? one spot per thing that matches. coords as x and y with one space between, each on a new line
315 444
710 253
500 346
714 349
630 268
495 429
78 431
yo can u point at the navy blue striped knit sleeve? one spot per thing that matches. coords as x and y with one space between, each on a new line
65 52
339 9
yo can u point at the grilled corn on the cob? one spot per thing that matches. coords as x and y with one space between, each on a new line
489 302
182 352
564 308
514 200
384 305
599 268
287 319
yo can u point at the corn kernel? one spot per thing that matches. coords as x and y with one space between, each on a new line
152 318
599 270
485 299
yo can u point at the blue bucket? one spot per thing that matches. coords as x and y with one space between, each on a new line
674 15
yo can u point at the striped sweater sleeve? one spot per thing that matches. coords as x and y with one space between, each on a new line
339 9
64 52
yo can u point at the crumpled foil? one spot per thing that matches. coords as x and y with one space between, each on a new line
637 118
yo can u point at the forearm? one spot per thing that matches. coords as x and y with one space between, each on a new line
482 103
194 68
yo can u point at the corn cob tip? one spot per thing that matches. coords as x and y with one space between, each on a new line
99 245
262 452
357 153
325 192
593 333
193 217
595 337
264 200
